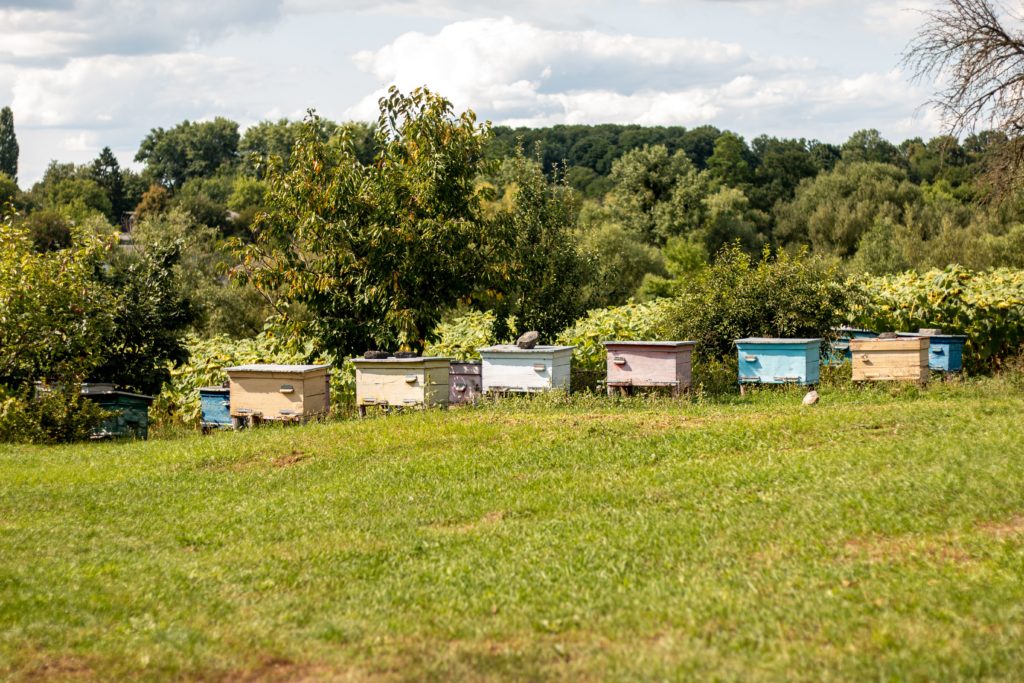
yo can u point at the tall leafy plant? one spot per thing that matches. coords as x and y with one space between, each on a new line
374 253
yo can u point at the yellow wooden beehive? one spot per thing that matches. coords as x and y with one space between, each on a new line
903 359
401 382
291 393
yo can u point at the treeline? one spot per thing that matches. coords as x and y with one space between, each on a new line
349 236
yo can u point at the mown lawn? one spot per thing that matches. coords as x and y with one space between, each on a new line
876 536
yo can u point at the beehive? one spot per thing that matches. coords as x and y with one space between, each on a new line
508 368
945 351
465 384
649 364
840 346
215 405
131 411
771 360
903 359
289 393
401 382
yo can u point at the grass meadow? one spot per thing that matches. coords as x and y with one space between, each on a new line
876 536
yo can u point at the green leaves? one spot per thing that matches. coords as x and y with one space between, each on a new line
987 306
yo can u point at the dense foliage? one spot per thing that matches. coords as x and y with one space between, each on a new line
986 306
780 295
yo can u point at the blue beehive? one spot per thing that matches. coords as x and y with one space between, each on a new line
945 351
768 360
216 406
840 347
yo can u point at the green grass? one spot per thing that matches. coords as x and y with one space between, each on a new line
876 536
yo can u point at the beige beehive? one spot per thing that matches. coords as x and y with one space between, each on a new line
904 359
291 393
401 382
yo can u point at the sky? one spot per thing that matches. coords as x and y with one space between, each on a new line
84 74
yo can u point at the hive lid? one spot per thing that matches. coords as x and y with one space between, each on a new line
512 348
217 389
853 329
778 340
276 367
931 336
105 391
391 359
673 344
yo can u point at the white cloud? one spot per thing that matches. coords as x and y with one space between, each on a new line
522 75
902 19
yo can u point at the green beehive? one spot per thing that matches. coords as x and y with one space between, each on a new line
131 411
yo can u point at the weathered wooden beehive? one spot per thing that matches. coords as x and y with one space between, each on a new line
945 351
771 360
901 359
272 392
649 364
131 411
215 405
401 382
465 383
508 368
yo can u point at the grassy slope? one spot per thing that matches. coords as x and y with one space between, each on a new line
874 536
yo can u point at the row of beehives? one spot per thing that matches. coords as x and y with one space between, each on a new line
298 392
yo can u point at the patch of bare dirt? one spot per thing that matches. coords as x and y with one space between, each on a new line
289 459
63 668
490 519
1004 529
896 549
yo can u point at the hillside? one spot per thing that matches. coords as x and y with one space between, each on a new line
878 535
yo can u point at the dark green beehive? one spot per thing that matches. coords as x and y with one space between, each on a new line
131 411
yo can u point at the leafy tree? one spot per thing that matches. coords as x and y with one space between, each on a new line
71 190
189 150
622 261
54 320
832 211
151 314
375 253
731 162
48 230
8 190
781 165
8 145
729 220
154 201
780 295
540 274
870 146
642 179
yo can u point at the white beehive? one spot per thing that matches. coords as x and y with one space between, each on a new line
508 368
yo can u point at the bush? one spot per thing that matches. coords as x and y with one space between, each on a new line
55 416
628 322
178 402
460 337
779 296
987 306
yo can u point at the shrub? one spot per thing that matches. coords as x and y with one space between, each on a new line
630 321
460 337
779 296
56 416
178 402
987 306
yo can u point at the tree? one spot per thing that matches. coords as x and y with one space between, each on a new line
71 190
375 253
189 150
644 178
869 145
730 163
980 61
8 144
106 171
832 211
539 273
8 190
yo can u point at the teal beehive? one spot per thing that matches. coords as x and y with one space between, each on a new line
215 403
771 360
130 416
945 351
